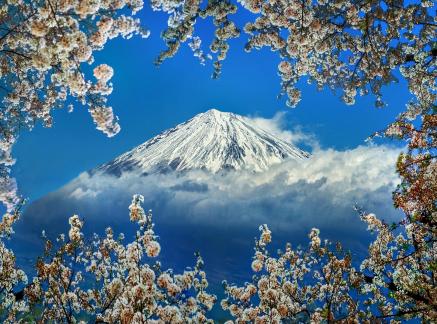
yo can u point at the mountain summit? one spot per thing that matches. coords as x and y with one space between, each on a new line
211 141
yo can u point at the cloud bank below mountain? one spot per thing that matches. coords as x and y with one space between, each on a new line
364 175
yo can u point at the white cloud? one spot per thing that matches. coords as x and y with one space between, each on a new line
80 193
277 125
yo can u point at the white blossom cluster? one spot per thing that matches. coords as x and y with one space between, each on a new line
403 257
43 47
196 46
313 284
10 275
112 282
183 16
352 45
402 263
319 284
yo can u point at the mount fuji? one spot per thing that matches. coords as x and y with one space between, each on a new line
211 182
212 141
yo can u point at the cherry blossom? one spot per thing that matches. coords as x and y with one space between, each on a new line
114 282
44 46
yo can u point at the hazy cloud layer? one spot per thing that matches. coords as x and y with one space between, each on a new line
291 191
277 125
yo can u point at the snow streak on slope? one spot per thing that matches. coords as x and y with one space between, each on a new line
211 141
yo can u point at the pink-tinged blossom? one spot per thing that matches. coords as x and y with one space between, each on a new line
103 72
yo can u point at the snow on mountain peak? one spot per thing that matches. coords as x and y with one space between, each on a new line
212 141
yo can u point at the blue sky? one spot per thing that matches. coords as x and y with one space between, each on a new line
150 99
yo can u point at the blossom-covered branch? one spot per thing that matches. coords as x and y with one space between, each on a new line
316 284
43 47
108 281
356 46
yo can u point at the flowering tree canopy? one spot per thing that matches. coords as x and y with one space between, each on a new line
316 284
319 283
43 45
107 281
352 45
357 46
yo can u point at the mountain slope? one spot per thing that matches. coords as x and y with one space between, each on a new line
211 141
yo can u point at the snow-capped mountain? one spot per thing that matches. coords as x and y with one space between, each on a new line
211 141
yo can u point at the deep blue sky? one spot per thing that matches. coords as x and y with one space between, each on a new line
149 100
